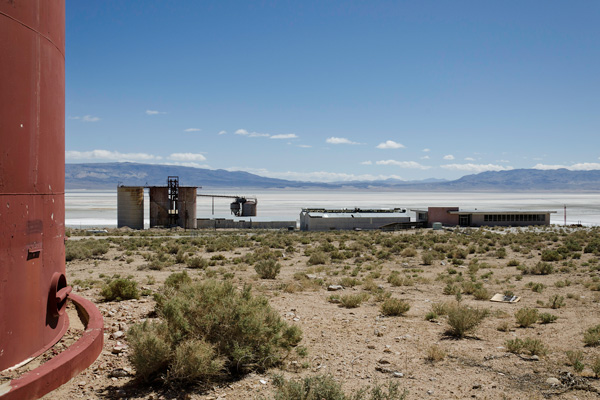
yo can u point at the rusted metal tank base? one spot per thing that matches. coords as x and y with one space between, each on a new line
60 369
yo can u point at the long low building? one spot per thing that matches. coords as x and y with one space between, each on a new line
324 219
453 216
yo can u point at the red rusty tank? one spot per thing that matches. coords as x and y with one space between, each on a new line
33 288
32 149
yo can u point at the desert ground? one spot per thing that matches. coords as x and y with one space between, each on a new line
543 346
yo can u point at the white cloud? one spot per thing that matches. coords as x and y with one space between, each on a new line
449 157
339 140
403 164
316 176
222 132
109 155
426 150
244 132
285 136
476 167
425 158
192 130
187 157
187 164
304 146
154 112
573 167
390 144
367 163
470 159
87 118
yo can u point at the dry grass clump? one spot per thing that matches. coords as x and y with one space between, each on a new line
325 387
208 329
575 359
435 353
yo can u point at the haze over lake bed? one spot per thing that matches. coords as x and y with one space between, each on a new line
99 208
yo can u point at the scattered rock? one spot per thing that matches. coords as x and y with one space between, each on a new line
119 373
118 349
333 288
398 374
117 334
553 381
477 386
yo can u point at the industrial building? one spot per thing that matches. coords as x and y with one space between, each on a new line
453 216
173 206
323 219
170 206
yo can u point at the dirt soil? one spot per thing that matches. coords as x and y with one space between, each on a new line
359 346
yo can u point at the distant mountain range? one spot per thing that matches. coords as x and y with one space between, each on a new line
97 176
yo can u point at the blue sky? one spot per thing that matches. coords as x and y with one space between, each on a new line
332 90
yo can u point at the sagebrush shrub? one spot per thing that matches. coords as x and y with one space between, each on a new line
591 337
394 307
209 328
526 316
120 289
267 269
353 300
463 320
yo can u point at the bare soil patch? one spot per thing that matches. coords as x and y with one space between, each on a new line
360 346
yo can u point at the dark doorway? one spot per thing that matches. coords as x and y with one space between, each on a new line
464 220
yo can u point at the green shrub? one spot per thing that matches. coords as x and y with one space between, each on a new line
575 359
427 258
541 268
394 307
267 269
318 257
534 347
196 262
591 337
395 279
547 318
526 317
120 289
556 301
596 366
514 345
177 279
536 287
451 289
209 328
85 249
463 320
551 255
481 294
353 300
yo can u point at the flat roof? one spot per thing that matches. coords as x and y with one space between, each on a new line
353 210
466 212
